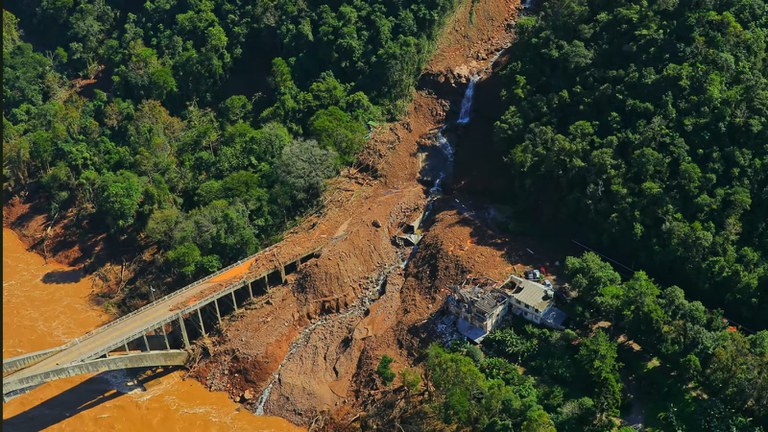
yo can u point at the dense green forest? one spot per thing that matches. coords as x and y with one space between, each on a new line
689 371
210 124
642 127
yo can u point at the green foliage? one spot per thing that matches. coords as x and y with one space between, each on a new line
337 130
118 199
727 366
236 109
507 343
538 421
143 75
468 398
170 142
598 355
161 224
589 274
642 128
384 370
28 77
184 258
302 170
411 379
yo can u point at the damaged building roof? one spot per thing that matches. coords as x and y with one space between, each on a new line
529 292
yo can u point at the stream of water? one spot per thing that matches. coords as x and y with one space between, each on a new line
466 103
445 167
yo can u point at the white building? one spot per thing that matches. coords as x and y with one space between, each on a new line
534 302
481 308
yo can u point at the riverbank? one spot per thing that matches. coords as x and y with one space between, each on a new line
45 305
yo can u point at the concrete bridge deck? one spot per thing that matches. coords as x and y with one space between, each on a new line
152 318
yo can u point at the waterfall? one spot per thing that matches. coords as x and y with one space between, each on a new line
444 145
466 103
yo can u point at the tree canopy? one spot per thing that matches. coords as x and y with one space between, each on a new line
642 127
138 116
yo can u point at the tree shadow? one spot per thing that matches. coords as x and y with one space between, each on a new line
62 276
82 397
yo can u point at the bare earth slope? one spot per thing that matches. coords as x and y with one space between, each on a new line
327 328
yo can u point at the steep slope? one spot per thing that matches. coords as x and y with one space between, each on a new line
325 329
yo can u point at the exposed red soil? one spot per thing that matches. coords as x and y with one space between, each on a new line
65 239
341 329
318 375
471 36
326 327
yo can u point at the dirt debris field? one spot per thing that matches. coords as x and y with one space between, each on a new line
315 342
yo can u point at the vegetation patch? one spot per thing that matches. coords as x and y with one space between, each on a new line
642 127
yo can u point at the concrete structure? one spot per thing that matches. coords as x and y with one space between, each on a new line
481 308
154 335
478 309
534 302
126 361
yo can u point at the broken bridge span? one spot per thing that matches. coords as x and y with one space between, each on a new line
159 333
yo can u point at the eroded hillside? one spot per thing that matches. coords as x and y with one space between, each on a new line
327 328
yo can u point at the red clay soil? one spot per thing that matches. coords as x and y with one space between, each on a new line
36 230
326 328
65 240
476 30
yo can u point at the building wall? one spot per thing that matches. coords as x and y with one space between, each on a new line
470 316
496 318
528 314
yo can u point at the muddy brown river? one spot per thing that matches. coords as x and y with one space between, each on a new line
45 305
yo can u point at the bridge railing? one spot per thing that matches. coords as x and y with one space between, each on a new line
166 298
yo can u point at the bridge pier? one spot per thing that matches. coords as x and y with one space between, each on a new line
218 312
250 289
234 300
165 336
202 326
146 342
184 332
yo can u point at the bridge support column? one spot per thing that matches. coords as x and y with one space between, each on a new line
126 347
250 289
234 300
202 326
282 274
266 282
184 332
165 336
146 342
218 313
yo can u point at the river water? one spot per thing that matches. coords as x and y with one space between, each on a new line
45 305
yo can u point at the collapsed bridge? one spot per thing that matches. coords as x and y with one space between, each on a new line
159 333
